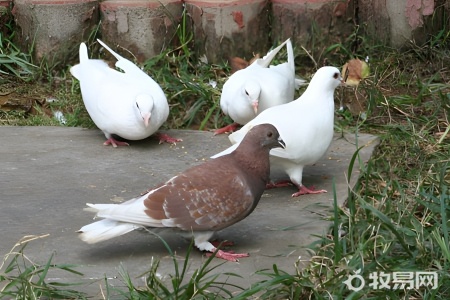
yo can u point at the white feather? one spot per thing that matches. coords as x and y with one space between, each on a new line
131 211
201 240
104 230
118 219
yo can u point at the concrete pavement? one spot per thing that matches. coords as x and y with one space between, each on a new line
47 175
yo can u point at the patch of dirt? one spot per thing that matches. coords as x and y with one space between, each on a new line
22 97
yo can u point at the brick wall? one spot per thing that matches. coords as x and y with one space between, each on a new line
220 28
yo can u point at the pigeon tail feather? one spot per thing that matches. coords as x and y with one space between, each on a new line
237 136
267 59
226 151
299 82
84 57
287 69
290 55
76 70
132 211
104 230
117 56
235 139
124 63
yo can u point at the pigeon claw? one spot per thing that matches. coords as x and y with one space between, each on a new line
283 183
230 256
303 190
218 244
165 138
115 143
228 128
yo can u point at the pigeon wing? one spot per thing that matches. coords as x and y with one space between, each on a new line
211 196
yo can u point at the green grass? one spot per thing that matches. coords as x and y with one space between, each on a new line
190 90
203 284
396 218
21 278
12 60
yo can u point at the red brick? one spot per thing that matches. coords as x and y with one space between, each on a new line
53 2
6 3
221 3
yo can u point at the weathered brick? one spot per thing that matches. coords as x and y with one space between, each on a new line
54 28
5 15
144 28
227 28
397 22
307 21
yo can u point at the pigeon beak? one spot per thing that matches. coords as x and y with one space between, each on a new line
146 118
274 144
255 106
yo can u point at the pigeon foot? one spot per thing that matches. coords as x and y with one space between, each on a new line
115 143
218 244
228 128
165 138
283 183
303 190
230 256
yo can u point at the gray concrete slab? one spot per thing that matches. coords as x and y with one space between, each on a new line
47 174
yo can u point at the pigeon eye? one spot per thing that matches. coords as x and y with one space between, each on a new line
336 75
246 93
269 134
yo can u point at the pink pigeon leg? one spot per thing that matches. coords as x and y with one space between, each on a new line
115 143
303 190
230 256
228 128
222 243
282 183
165 138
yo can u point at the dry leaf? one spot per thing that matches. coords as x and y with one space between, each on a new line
238 63
354 71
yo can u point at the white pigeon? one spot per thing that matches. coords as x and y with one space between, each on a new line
129 104
306 125
250 91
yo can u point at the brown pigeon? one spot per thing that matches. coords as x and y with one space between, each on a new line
201 200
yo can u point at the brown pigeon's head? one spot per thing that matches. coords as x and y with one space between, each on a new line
267 135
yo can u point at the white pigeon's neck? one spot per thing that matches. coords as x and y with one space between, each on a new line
317 94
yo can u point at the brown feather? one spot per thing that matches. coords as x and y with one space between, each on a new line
220 192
